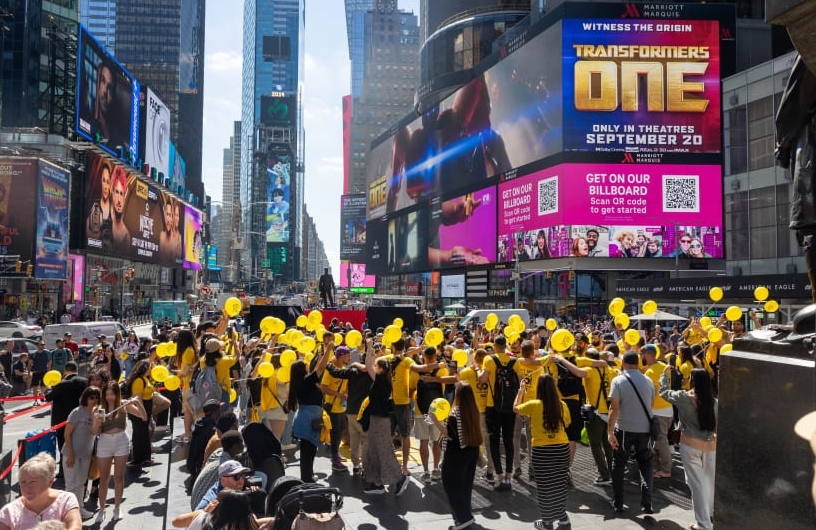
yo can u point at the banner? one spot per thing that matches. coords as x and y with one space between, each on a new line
462 230
157 134
355 273
51 251
279 184
192 238
352 226
642 86
17 202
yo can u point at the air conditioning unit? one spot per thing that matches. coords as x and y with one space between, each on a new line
735 184
733 99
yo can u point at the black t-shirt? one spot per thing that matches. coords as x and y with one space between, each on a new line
379 396
19 365
40 364
309 390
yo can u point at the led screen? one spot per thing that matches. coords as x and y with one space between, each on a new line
157 134
192 238
352 226
462 230
358 277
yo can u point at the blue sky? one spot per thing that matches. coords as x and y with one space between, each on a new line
326 82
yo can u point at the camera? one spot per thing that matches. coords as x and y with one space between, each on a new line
253 481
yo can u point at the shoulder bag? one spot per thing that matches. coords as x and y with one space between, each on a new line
654 424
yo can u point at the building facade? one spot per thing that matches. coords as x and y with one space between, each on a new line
99 16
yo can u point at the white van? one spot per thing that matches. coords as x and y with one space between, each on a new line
84 333
480 315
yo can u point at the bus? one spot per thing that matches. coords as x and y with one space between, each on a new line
178 311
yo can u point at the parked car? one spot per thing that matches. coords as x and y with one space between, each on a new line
8 327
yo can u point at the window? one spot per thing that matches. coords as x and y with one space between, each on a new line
761 133
736 141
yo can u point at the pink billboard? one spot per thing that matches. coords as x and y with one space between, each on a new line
359 278
462 230
612 210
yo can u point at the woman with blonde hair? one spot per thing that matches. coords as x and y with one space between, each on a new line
464 434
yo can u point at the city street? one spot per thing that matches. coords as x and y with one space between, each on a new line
154 495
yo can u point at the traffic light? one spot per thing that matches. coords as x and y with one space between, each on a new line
18 266
29 270
571 275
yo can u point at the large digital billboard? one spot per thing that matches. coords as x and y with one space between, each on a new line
398 243
192 238
462 230
157 134
353 277
17 202
278 110
126 217
641 85
107 99
51 244
279 185
352 226
619 210
505 118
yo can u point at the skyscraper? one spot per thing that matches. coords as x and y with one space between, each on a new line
99 16
273 136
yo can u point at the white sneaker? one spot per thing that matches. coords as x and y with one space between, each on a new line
117 514
85 514
100 517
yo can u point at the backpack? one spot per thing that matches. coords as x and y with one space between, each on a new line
568 383
507 385
676 376
427 392
204 385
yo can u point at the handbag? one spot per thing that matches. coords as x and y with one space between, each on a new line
654 423
93 469
317 423
320 521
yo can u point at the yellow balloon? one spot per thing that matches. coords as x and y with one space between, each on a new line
266 325
649 307
518 325
716 294
620 344
310 326
616 307
440 408
319 332
52 377
392 333
491 321
508 330
294 336
278 326
233 306
399 322
632 337
169 349
172 383
513 336
159 373
551 324
265 369
306 345
761 293
714 335
316 316
233 395
562 340
622 320
460 357
705 322
733 313
301 321
285 373
434 337
726 348
771 306
308 358
354 338
288 357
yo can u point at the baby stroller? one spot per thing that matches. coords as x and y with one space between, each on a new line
290 496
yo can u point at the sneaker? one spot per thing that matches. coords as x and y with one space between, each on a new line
565 524
490 478
426 478
100 517
374 490
617 508
338 466
517 473
85 514
401 486
356 471
646 507
504 485
436 474
541 525
288 447
462 526
117 514
600 481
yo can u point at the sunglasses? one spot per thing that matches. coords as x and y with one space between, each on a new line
685 240
696 245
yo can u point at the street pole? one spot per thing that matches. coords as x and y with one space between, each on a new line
517 284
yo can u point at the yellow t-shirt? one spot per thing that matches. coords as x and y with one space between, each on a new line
694 336
480 390
654 372
535 411
222 371
530 369
712 357
400 376
490 367
269 390
338 385
142 386
685 368
592 386
552 367
188 360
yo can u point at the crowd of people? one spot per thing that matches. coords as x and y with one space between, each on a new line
379 390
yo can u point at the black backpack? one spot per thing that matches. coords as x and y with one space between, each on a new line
675 376
506 387
568 383
427 392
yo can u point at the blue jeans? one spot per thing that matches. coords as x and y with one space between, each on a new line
639 442
286 437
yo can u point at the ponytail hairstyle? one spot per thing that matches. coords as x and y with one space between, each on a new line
553 414
468 415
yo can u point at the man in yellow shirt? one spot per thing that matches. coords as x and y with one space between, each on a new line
693 334
335 394
662 409
596 387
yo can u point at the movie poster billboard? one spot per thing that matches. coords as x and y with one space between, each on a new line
462 230
157 134
352 226
279 185
107 99
612 210
192 238
642 86
17 202
51 244
505 118
126 217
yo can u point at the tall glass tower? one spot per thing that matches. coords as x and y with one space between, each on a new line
272 147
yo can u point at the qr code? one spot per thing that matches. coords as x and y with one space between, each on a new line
548 196
681 193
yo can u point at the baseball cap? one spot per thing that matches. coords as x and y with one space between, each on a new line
231 467
67 334
211 405
213 345
581 336
101 337
341 350
806 427
631 358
